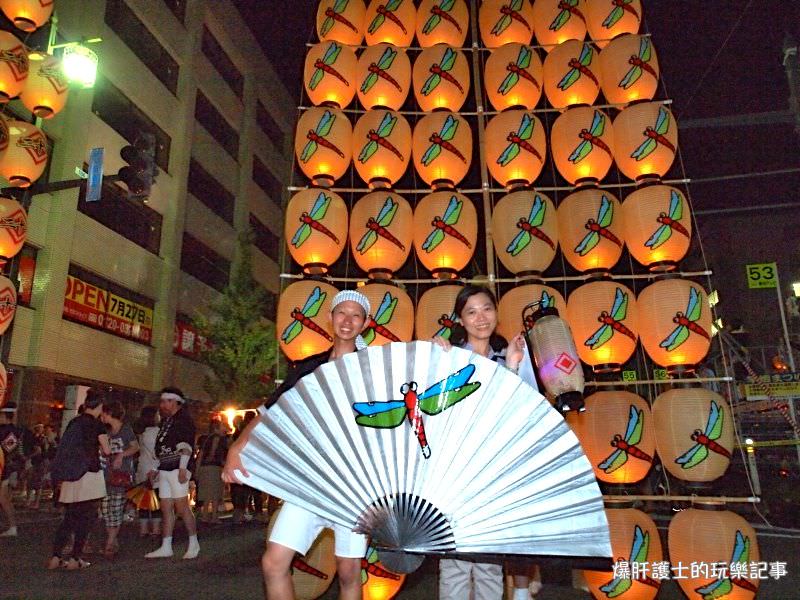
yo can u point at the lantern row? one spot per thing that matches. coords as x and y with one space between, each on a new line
27 15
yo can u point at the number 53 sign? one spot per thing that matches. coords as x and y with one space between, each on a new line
762 275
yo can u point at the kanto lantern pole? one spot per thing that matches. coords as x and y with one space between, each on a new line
790 353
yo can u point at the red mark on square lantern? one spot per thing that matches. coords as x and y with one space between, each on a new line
566 363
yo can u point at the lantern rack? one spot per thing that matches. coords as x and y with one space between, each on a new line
692 499
670 380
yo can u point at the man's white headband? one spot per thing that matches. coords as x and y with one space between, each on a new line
171 396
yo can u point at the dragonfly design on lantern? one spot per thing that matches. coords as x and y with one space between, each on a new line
438 13
442 140
436 399
447 323
440 71
312 220
325 65
590 138
378 227
444 225
530 227
369 567
620 8
510 12
519 139
639 63
655 136
545 301
376 138
578 66
668 223
302 317
611 322
386 11
598 228
301 565
639 551
724 585
705 440
627 446
686 323
380 69
333 15
567 9
518 69
316 138
377 324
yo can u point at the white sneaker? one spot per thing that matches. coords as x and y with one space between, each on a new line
162 552
192 552
10 532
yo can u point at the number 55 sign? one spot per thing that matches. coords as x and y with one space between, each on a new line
762 275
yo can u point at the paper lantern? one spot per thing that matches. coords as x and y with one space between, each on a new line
678 332
505 21
25 158
657 226
694 433
606 19
27 15
381 146
590 228
392 318
378 583
629 68
645 140
341 21
323 144
525 232
380 230
13 228
604 321
46 87
441 78
634 539
516 147
707 537
509 308
13 66
8 303
556 21
390 21
571 74
435 314
582 142
329 75
513 77
316 229
442 148
303 319
383 74
442 22
445 232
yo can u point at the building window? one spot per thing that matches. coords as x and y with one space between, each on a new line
26 274
178 8
201 262
269 126
267 182
127 119
213 121
222 62
124 22
210 192
264 239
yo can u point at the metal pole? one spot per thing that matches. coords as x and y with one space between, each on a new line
790 353
751 463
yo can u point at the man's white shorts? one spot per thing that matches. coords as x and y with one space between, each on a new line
170 487
297 528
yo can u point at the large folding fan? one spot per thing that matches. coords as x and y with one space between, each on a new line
429 450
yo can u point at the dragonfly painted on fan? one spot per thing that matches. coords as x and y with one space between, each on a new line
302 317
640 62
316 137
369 567
627 446
333 15
440 12
440 71
301 565
590 138
441 141
509 13
640 548
376 138
598 228
686 323
567 8
530 228
380 69
620 8
436 399
447 323
545 301
723 586
518 69
377 324
578 66
611 322
312 220
705 440
325 66
669 222
655 136
444 225
378 227
386 11
519 141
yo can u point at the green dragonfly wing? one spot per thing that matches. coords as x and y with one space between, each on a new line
332 54
369 81
453 212
387 58
308 151
316 77
367 241
716 420
387 125
644 150
450 128
693 457
681 335
312 310
510 153
325 123
434 239
302 235
640 549
368 336
635 434
675 206
606 214
367 151
433 405
376 23
448 60
340 5
606 333
383 420
447 5
526 127
618 458
431 84
393 4
431 154
662 123
516 5
387 217
524 58
320 208
695 305
645 49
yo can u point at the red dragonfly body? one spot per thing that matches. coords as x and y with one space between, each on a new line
607 319
620 443
315 137
382 231
373 68
563 5
303 566
653 134
535 231
392 17
382 330
592 225
744 584
374 569
446 321
515 68
574 63
446 16
515 139
374 137
507 11
305 218
638 62
701 438
586 135
437 139
415 416
437 70
318 64
298 315
626 7
669 222
329 12
680 319
450 230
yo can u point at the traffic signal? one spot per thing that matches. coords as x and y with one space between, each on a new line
141 171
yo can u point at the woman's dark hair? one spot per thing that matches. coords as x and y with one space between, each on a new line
147 418
458 336
114 409
93 399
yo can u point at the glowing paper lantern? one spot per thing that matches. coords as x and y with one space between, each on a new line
694 433
435 314
303 319
509 308
556 21
25 158
629 68
442 148
8 303
445 231
525 232
516 146
378 583
46 88
383 75
316 229
645 140
505 21
330 74
657 226
606 19
582 142
13 228
13 66
390 21
441 78
678 332
27 15
590 227
323 144
381 146
513 77
571 74
392 318
380 230
442 22
341 21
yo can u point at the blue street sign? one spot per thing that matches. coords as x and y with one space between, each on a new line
94 185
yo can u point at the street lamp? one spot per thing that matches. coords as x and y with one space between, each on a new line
80 64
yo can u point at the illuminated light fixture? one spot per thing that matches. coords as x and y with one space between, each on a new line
80 65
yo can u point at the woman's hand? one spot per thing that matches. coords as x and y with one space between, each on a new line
442 343
515 352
